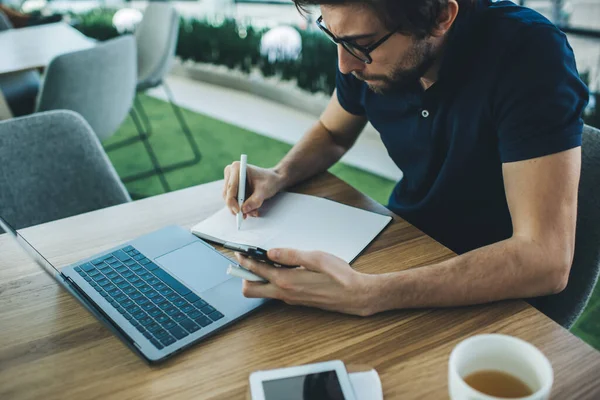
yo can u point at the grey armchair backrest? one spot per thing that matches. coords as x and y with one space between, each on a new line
567 306
98 83
156 38
53 167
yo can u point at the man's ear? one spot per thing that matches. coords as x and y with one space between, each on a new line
446 19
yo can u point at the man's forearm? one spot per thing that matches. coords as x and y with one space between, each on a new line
514 268
314 153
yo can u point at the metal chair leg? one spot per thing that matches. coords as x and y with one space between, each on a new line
139 107
187 132
147 129
157 170
143 136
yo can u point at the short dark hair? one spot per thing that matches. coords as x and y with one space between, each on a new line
411 17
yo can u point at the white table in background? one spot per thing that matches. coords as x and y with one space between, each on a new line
34 47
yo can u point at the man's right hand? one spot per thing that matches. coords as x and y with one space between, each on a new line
261 184
321 147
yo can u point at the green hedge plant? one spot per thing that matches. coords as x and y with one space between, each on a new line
235 46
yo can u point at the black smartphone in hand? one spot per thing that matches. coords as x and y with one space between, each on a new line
255 253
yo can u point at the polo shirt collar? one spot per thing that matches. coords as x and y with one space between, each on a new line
461 44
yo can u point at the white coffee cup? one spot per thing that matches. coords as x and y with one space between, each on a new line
501 353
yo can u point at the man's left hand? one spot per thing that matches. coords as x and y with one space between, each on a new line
322 281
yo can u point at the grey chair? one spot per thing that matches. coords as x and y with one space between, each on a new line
4 22
20 89
53 167
156 39
567 306
98 83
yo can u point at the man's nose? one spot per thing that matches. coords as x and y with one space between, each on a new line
347 62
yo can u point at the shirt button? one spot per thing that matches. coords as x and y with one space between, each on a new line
425 113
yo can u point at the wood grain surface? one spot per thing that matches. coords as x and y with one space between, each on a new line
51 348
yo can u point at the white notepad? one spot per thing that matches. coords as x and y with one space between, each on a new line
299 221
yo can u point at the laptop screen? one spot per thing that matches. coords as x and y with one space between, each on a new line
33 253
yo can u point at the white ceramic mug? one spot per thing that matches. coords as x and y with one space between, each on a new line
502 353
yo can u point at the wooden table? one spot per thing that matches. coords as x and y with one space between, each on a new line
51 348
34 47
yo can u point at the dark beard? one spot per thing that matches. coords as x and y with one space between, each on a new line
420 58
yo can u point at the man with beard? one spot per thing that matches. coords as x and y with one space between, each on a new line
479 103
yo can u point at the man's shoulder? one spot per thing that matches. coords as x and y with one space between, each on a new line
507 32
505 19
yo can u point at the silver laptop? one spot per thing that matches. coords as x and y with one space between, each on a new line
159 293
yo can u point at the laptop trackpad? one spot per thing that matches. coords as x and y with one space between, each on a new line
196 266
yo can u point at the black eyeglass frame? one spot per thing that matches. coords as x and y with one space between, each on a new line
348 46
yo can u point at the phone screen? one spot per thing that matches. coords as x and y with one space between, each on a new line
320 386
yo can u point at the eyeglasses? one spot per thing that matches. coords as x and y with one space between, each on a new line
358 51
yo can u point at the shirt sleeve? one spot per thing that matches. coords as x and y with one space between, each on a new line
540 97
349 93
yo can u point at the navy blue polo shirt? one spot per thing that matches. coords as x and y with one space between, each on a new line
508 90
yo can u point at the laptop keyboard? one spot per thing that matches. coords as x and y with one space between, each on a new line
158 305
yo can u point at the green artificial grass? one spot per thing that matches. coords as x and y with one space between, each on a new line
587 327
221 143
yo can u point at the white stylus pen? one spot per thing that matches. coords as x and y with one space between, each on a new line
243 273
241 189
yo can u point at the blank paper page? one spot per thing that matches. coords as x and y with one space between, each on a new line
301 222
